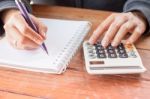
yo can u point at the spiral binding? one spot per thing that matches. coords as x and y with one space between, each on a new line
65 56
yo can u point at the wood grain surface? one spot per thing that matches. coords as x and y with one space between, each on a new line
76 83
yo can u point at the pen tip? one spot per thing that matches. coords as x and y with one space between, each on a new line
47 53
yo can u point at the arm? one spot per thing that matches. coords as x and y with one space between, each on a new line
9 4
142 6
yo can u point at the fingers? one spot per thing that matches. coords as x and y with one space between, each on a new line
138 31
21 42
27 31
117 26
101 29
124 29
113 29
42 29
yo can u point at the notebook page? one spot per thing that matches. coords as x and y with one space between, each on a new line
24 58
60 32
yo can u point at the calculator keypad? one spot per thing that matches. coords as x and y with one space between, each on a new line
98 51
123 59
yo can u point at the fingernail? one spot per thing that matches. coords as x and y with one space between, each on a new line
114 44
39 42
91 41
44 35
104 43
127 42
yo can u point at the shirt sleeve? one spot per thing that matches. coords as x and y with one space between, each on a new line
140 5
7 4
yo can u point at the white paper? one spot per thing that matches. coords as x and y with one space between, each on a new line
60 32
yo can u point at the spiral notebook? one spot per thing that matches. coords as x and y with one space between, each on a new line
63 39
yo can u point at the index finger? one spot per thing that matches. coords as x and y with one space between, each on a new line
42 28
101 29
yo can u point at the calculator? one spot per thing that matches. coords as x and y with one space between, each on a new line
123 59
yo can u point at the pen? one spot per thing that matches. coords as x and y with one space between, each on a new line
26 16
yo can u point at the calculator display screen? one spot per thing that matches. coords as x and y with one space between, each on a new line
96 62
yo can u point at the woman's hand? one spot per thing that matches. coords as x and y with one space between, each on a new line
19 33
117 26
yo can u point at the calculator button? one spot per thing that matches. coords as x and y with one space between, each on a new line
99 47
129 46
90 50
100 51
112 55
124 55
111 51
90 47
110 47
101 55
121 51
88 44
132 54
92 56
120 46
99 42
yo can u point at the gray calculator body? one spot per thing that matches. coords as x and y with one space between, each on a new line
124 59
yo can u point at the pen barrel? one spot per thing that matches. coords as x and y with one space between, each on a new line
31 24
28 19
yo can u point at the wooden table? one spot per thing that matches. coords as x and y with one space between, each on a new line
76 83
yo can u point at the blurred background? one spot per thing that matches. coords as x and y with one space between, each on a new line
108 5
44 2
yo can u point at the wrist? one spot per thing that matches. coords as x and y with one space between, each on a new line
140 16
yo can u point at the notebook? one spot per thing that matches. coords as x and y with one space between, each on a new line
63 39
